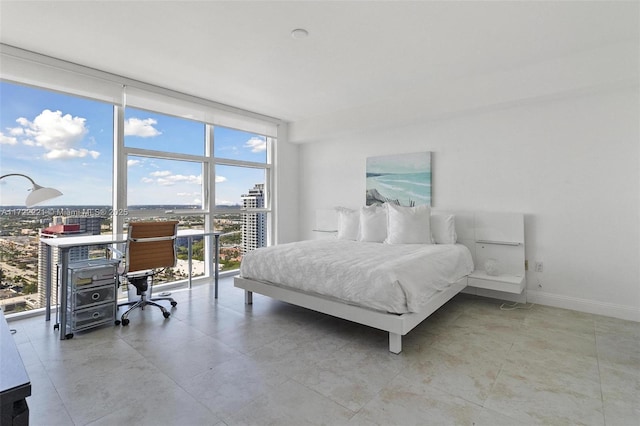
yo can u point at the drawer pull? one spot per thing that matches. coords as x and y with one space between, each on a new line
95 315
95 296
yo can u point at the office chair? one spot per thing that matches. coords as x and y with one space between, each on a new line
150 246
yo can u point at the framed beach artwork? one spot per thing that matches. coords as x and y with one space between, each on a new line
402 179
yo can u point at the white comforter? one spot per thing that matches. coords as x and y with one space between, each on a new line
396 278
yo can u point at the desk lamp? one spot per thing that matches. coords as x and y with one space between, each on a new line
38 194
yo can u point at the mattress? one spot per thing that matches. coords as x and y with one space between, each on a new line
396 278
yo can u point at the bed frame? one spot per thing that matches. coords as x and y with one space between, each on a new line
469 228
396 325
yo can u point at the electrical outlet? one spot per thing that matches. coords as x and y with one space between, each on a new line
526 265
539 267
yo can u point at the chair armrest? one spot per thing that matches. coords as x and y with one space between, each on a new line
115 253
119 255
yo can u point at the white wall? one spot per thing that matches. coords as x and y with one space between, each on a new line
286 187
571 164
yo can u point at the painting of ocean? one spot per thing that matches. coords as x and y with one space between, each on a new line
403 179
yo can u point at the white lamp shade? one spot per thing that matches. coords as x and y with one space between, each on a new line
39 195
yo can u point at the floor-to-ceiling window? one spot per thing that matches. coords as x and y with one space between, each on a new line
168 161
165 178
59 141
242 188
116 162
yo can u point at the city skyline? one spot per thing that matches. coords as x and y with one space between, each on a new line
66 142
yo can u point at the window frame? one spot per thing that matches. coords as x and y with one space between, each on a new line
268 168
163 155
209 162
46 73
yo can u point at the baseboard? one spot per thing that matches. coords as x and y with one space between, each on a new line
584 305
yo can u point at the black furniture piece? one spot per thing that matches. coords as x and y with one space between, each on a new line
15 385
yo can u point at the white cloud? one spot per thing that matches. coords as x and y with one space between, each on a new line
224 202
141 128
220 179
58 134
22 121
166 178
131 163
256 144
56 154
7 140
52 130
173 179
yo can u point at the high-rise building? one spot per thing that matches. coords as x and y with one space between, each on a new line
254 224
89 225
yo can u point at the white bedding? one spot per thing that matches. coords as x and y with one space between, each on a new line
397 278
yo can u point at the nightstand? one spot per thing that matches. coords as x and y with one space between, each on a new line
499 253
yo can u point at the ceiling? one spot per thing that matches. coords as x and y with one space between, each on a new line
357 54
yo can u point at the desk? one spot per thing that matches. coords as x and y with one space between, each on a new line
65 244
15 385
190 233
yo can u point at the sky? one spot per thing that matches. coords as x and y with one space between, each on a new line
66 142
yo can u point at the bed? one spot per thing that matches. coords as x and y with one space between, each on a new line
389 286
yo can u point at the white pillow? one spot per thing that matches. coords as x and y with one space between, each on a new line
373 224
408 225
443 228
348 223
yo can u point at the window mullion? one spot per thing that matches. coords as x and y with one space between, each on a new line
119 171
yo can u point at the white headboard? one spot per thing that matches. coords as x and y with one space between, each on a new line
471 227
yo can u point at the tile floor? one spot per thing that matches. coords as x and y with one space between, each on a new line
222 363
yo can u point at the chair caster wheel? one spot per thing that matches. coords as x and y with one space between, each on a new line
125 322
174 304
166 314
117 322
68 336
